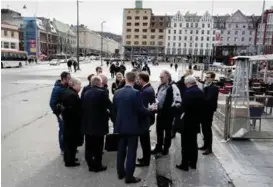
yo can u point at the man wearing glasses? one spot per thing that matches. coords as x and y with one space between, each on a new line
211 97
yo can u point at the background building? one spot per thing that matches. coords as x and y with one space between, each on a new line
264 36
190 35
143 32
9 36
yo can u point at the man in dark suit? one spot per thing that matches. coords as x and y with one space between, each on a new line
127 108
192 108
87 87
96 108
148 97
211 97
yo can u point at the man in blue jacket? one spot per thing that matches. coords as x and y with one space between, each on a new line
127 108
59 87
148 97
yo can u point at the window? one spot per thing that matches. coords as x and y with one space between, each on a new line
201 52
235 39
136 30
179 44
244 26
161 30
236 26
128 30
174 31
190 44
186 31
129 17
191 24
160 43
208 25
152 36
213 39
136 24
136 42
229 25
152 30
180 38
136 36
185 44
201 44
191 31
174 37
129 24
180 32
180 24
196 25
5 33
207 38
202 32
207 32
6 45
137 18
203 25
12 34
250 39
207 44
228 32
187 25
190 38
175 25
243 32
145 24
169 37
243 39
250 32
144 43
196 44
213 31
173 44
202 38
169 31
144 36
196 38
128 36
196 31
145 30
236 32
145 17
185 38
168 44
160 37
128 43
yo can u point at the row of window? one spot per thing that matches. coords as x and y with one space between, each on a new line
146 30
6 33
191 25
145 36
143 43
237 39
237 32
191 38
8 45
190 45
180 51
137 17
137 24
191 31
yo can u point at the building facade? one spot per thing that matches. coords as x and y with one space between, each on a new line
67 39
264 36
9 36
190 35
143 32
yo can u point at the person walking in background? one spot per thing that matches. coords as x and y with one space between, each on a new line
146 68
59 87
87 87
127 107
211 98
171 65
98 70
192 108
148 97
71 115
115 85
96 112
175 66
122 69
75 64
69 64
112 70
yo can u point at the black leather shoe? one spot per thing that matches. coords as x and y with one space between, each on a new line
100 168
156 150
181 167
142 164
133 180
140 159
75 164
165 152
207 152
120 177
202 148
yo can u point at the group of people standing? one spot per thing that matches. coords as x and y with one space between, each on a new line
132 112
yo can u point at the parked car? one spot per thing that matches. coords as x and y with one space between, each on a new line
55 62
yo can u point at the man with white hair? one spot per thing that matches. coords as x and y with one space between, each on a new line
192 108
96 107
104 80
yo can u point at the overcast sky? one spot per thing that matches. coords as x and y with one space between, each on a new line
93 12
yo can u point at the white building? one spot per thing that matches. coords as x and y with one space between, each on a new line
190 35
9 36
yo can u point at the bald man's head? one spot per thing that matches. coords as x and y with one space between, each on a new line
104 79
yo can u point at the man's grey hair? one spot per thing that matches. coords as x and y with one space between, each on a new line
75 81
168 74
103 78
96 81
190 80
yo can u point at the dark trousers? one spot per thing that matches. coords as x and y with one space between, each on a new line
70 148
189 148
93 150
146 146
75 68
206 130
127 149
112 75
163 133
61 133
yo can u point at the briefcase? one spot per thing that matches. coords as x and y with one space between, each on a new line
111 142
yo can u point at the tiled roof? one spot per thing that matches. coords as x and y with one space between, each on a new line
62 27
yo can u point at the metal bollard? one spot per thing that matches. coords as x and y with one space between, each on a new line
227 117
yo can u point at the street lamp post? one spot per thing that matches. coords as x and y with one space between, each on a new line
78 37
101 44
